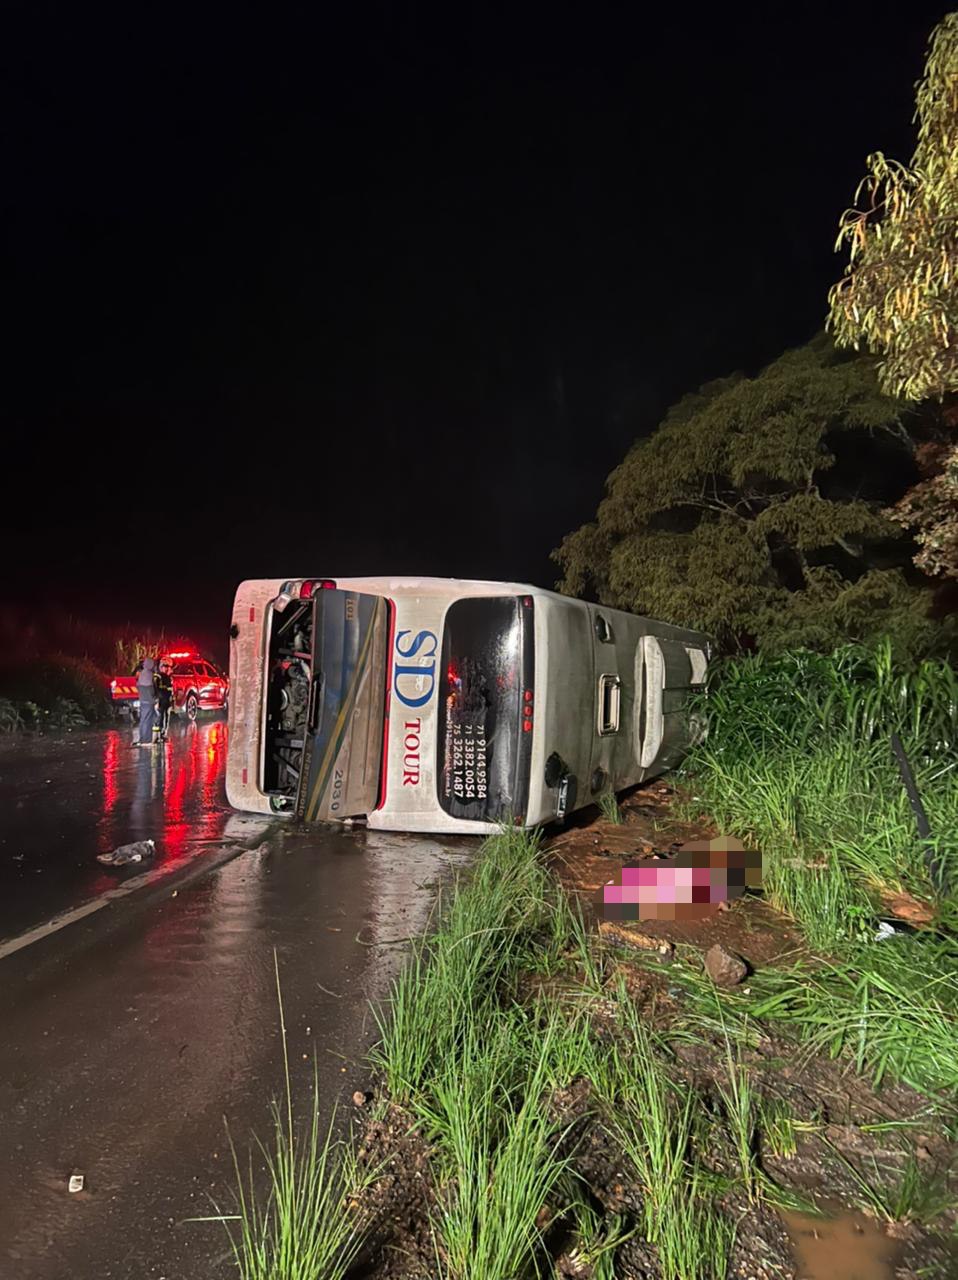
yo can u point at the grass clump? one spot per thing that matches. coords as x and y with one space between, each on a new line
453 978
889 1007
652 1115
609 808
308 1226
475 1070
776 1126
498 1161
912 1195
596 1241
740 1106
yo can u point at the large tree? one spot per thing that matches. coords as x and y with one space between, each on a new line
748 513
899 294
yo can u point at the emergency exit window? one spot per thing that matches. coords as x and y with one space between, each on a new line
610 698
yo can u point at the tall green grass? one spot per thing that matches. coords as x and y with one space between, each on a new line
454 978
475 1068
498 1159
652 1116
799 759
890 1008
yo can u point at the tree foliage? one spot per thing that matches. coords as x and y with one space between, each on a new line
898 296
930 509
730 518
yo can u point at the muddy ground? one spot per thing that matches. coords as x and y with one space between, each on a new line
845 1132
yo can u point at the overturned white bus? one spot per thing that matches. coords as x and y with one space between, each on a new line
431 704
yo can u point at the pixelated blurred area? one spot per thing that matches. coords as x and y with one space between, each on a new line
590 856
692 884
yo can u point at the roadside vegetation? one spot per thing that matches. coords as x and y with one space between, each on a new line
550 1104
56 669
799 760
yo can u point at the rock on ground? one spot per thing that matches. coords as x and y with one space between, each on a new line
724 967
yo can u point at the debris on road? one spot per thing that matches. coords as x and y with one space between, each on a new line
135 852
629 937
76 1182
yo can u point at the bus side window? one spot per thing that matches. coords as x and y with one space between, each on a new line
610 697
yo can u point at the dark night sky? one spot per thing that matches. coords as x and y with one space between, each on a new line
304 292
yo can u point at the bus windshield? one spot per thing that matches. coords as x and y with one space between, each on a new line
485 704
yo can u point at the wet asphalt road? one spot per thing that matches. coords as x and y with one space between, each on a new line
131 1032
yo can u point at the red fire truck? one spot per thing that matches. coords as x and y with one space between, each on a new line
198 685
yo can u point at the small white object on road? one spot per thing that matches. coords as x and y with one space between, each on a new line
135 852
76 1181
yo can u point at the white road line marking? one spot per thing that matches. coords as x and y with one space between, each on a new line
53 925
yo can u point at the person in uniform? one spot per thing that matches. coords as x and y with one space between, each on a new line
164 699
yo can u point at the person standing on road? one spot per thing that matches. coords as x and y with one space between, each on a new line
147 695
164 699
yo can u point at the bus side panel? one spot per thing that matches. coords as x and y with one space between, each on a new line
247 693
573 652
616 755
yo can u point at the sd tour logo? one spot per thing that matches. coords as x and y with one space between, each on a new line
414 677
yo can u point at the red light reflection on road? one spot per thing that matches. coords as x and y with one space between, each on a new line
172 793
111 765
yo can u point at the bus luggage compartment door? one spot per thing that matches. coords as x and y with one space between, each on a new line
344 741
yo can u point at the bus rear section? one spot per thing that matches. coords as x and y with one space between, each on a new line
308 720
486 709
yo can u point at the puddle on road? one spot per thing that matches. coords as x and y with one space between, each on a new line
847 1247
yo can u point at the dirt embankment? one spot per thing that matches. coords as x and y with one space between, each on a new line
819 1135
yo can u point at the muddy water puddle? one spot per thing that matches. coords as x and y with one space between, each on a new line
846 1247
